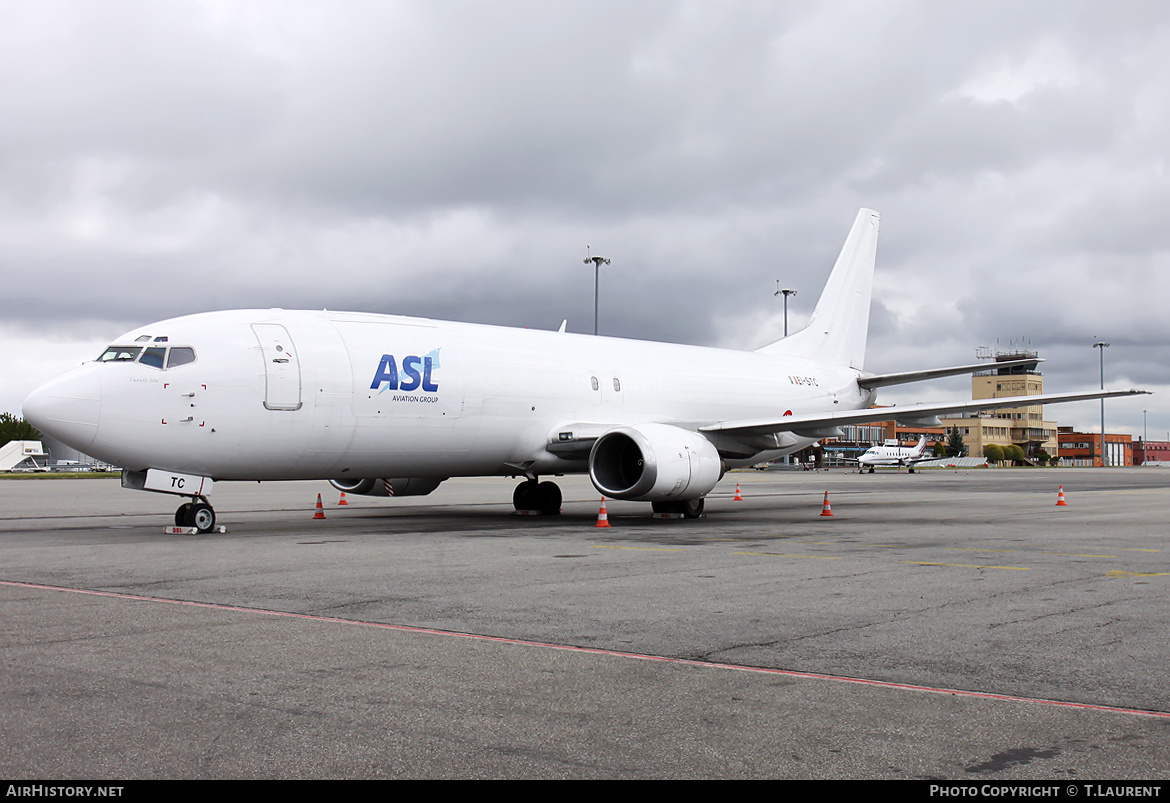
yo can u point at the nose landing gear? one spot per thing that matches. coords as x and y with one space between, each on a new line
197 513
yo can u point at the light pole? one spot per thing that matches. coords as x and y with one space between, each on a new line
786 294
597 263
1102 345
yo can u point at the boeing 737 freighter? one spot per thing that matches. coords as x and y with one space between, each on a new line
391 405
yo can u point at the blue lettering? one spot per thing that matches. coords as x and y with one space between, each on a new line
416 372
427 384
410 369
387 372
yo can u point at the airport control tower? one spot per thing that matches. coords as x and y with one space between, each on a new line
1023 426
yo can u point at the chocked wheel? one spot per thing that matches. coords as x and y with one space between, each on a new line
202 517
690 508
548 498
544 496
183 516
524 497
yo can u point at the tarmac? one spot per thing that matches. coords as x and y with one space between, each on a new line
940 625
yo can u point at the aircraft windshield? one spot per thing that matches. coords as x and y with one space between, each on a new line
159 357
120 354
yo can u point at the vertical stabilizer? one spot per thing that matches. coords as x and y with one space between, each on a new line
839 324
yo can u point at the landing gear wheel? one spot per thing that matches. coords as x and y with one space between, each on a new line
548 498
202 517
542 496
690 508
524 497
183 516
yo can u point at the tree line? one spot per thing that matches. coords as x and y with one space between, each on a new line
13 428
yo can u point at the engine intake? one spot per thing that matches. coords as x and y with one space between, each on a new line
654 463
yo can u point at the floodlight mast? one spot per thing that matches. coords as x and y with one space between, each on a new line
786 293
1102 345
597 263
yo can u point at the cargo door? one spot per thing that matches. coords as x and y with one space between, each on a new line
282 369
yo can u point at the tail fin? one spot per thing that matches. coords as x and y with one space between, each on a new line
837 330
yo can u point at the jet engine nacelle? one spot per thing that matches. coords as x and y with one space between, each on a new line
654 463
391 486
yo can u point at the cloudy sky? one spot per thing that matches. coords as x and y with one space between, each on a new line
455 159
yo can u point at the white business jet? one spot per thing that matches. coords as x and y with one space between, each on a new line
894 455
390 405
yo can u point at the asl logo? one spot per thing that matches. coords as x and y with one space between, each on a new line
416 373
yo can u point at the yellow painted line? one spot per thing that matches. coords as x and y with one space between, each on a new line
1119 573
967 565
1139 550
1076 555
640 548
785 555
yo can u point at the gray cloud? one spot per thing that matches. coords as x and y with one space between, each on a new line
454 159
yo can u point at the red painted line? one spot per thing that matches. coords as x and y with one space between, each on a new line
884 684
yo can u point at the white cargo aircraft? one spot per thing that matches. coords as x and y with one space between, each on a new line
390 405
893 455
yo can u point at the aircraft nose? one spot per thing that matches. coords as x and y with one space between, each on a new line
67 407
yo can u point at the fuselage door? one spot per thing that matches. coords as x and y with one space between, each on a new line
282 369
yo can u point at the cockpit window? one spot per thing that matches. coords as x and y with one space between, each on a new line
153 357
159 357
142 338
180 355
120 354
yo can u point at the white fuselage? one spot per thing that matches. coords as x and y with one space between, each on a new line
275 394
892 455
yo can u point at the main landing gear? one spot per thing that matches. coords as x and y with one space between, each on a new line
690 508
535 495
197 513
545 498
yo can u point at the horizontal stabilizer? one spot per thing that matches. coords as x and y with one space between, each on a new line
914 412
882 380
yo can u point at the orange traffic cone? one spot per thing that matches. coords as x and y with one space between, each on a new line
737 498
602 516
320 514
1060 498
342 501
826 509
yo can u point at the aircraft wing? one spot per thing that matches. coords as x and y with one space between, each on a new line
821 424
882 380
